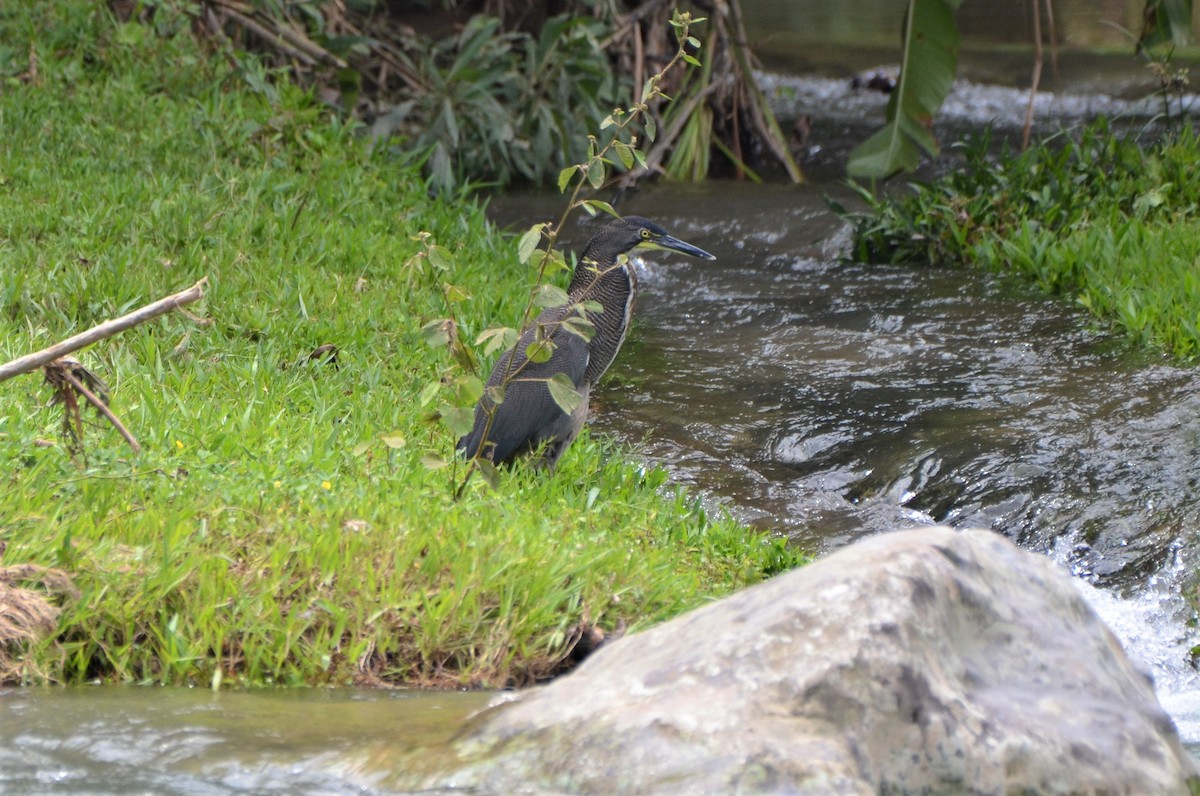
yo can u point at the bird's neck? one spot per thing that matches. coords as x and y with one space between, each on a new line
614 287
592 275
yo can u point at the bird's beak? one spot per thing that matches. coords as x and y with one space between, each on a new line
676 245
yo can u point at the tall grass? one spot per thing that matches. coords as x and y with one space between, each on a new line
281 525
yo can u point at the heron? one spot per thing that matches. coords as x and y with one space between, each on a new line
584 337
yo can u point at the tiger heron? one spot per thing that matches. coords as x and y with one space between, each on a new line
527 416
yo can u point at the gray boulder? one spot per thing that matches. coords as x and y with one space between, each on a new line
928 661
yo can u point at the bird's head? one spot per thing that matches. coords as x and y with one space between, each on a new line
634 232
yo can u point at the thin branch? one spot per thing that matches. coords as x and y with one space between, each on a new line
1037 72
280 34
102 408
31 362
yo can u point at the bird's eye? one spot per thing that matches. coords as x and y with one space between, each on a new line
645 233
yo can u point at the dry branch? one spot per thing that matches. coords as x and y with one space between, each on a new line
100 407
276 33
105 330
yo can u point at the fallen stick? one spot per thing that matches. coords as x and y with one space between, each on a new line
105 330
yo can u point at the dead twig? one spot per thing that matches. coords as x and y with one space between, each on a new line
70 379
277 34
105 330
101 407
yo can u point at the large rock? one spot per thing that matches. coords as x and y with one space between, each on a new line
927 661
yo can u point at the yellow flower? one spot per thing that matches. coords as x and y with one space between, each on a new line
278 484
179 444
326 485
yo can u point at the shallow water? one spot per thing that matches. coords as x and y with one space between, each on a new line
193 742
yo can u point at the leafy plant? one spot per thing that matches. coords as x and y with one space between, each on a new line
926 77
927 73
500 106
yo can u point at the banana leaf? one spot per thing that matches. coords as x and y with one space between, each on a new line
927 73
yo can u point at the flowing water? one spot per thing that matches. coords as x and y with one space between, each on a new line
830 400
122 741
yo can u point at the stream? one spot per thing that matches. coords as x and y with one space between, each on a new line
831 400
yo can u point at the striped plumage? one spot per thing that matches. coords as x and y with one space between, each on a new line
528 416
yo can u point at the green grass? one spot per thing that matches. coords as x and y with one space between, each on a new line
1103 220
281 525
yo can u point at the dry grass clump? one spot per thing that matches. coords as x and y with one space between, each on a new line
27 616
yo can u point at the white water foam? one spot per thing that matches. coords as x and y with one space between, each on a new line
1154 628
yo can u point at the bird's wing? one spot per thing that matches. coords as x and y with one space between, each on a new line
528 410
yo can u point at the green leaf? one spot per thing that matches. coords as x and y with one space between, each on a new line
433 462
496 337
551 296
488 472
580 327
393 440
440 258
563 391
1166 22
468 388
437 332
459 419
691 59
592 205
495 394
926 76
454 293
556 262
529 241
625 153
650 127
595 172
564 177
591 305
540 351
430 392
608 122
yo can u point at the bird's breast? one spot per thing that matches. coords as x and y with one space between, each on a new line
616 292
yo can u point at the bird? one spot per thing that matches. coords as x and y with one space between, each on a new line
600 300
